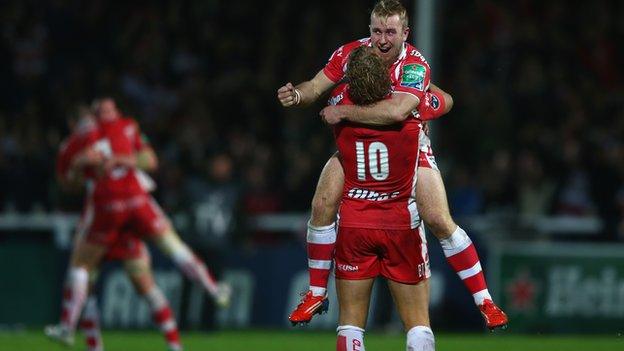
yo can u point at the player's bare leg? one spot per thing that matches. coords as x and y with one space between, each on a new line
321 240
328 193
412 301
353 300
85 257
170 244
458 248
140 273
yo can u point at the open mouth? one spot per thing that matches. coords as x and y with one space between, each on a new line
384 50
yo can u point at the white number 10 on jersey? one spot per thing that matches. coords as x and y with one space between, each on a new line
378 165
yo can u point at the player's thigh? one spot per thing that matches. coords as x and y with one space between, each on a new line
140 272
149 220
412 302
328 193
87 254
353 300
432 202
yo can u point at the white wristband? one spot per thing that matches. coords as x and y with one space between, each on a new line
297 96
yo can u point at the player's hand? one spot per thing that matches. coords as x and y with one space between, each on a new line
287 95
332 114
109 164
89 157
425 127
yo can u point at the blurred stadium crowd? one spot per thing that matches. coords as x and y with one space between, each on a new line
537 127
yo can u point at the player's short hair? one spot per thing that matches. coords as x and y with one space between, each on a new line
388 8
367 76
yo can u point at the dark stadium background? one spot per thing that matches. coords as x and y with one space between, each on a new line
532 153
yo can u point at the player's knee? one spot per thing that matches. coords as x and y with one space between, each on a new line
440 223
171 245
420 338
136 268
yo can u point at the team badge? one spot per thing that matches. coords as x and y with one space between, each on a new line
435 102
414 76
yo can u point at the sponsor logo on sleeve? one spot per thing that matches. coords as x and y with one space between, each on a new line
435 102
414 76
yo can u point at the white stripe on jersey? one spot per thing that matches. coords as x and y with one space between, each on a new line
423 250
412 207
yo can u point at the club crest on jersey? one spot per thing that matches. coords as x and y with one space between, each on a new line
435 102
414 76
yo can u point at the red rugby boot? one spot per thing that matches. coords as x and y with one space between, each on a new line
494 317
308 307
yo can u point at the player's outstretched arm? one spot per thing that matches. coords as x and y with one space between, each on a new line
305 93
393 110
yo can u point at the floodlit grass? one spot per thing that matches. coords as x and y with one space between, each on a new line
301 340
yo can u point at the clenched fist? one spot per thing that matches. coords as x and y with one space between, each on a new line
288 95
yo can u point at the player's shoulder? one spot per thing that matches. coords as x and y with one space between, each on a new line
129 124
413 55
128 120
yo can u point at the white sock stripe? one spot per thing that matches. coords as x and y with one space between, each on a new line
318 290
168 325
456 243
156 299
79 275
321 228
479 296
321 235
420 338
467 273
319 264
455 251
349 327
420 328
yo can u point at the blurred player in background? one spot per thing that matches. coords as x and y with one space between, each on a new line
380 233
119 191
128 248
410 75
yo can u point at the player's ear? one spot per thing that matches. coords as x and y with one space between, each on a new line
406 31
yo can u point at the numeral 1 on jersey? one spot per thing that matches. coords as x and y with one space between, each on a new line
378 165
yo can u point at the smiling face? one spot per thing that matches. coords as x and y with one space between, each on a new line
387 36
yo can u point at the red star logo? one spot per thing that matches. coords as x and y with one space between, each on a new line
521 292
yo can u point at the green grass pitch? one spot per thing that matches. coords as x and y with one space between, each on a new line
301 340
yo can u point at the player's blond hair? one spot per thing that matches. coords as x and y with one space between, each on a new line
389 8
367 76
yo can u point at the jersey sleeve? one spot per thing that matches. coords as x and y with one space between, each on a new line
414 78
334 69
432 106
